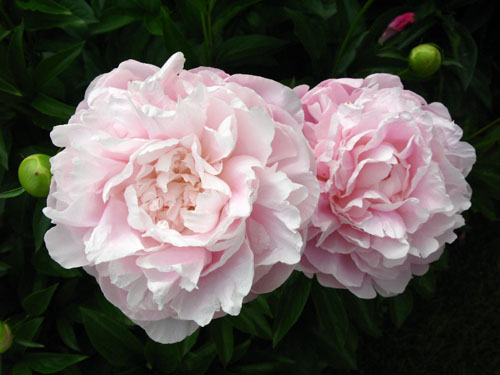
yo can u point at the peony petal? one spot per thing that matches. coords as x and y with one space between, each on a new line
169 330
65 245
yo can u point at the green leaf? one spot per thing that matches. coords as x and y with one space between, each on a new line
230 11
393 54
464 49
238 49
163 357
188 343
16 59
451 62
221 332
37 302
5 145
81 9
44 6
252 320
400 307
241 350
425 285
50 363
174 39
21 369
293 298
28 344
4 268
54 65
310 32
27 330
46 265
111 339
12 193
197 363
111 22
41 223
488 176
67 332
4 33
364 313
332 317
8 88
52 107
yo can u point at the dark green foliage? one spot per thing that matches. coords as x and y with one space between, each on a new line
50 50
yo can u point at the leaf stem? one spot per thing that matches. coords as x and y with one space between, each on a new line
348 35
483 129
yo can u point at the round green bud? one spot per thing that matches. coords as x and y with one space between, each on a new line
34 175
5 337
425 60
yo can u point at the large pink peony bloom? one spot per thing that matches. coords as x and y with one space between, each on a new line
392 183
185 193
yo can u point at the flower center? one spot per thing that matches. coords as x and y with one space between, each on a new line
168 187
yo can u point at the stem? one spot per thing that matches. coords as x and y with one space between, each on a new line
348 35
403 72
208 34
483 129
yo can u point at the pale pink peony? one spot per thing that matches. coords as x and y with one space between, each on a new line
184 193
392 183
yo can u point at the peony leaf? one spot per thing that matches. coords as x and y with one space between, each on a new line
293 298
50 363
239 49
252 320
199 361
45 6
81 9
12 193
40 223
27 330
464 49
221 332
8 88
111 339
21 369
67 332
54 65
364 313
425 285
111 22
309 32
230 11
174 39
17 62
163 357
46 265
400 307
52 107
332 317
4 268
37 302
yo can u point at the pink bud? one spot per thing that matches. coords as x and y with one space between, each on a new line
397 25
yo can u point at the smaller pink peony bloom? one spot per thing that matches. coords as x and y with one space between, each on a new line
184 193
396 26
392 183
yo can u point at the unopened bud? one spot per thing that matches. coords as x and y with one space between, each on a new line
396 26
425 60
5 337
34 175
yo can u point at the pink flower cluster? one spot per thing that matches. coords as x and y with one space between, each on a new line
187 193
392 174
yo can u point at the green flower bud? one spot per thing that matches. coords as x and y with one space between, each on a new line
34 175
425 60
5 337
